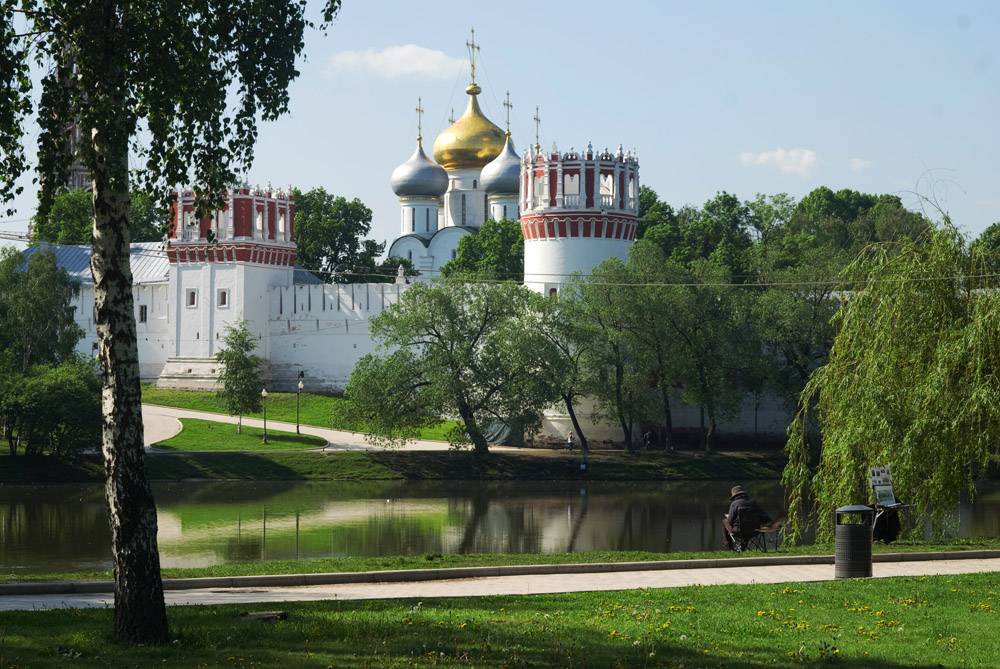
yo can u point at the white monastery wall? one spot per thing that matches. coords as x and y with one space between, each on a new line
322 331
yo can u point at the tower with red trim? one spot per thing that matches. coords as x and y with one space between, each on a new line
222 269
577 209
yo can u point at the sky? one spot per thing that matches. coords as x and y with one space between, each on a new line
764 97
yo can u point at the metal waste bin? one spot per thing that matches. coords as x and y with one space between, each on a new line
853 538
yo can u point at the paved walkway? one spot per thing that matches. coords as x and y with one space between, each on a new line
161 423
752 570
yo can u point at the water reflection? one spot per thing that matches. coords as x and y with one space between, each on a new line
64 528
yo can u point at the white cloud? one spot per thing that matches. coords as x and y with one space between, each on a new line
396 61
797 161
858 164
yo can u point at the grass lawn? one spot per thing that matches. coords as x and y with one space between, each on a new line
314 409
882 623
206 435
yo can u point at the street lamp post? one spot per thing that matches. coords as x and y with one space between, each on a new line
263 397
297 395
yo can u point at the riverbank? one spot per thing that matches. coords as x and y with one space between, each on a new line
930 549
530 464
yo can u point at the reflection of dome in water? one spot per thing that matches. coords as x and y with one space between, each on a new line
418 176
470 142
503 174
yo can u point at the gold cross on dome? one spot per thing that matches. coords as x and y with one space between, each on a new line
538 147
420 114
509 106
473 48
451 119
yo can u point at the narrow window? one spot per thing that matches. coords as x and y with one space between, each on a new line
260 224
427 220
453 254
223 298
409 255
505 211
552 292
463 208
142 313
192 298
473 184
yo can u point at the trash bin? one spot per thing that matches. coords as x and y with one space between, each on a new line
853 538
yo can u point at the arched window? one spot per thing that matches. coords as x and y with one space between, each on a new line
427 220
409 255
463 208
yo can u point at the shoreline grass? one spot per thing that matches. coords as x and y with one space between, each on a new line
448 561
880 623
530 464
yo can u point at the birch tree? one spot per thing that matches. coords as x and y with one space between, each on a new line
182 86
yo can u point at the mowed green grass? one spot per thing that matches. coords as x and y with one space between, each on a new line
947 621
314 409
206 435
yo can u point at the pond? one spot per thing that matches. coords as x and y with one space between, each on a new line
64 528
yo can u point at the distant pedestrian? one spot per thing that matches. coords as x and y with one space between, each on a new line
569 441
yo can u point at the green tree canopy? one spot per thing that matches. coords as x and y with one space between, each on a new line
987 246
653 211
71 219
192 80
55 408
496 251
911 383
329 231
450 349
617 382
36 310
239 378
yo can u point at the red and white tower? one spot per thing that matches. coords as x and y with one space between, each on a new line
221 268
577 209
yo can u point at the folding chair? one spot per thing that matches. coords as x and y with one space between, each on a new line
752 534
887 505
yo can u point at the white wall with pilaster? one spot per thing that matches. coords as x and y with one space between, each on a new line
322 331
465 201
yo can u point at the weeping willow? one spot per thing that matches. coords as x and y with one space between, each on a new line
912 382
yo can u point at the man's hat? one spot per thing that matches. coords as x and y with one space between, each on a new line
737 490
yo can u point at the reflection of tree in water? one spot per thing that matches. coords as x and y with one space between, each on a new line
578 523
243 549
480 507
41 525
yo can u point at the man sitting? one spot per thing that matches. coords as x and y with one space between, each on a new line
741 505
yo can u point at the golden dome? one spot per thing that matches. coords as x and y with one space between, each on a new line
470 142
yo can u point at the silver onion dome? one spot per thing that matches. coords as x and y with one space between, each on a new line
419 176
503 174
